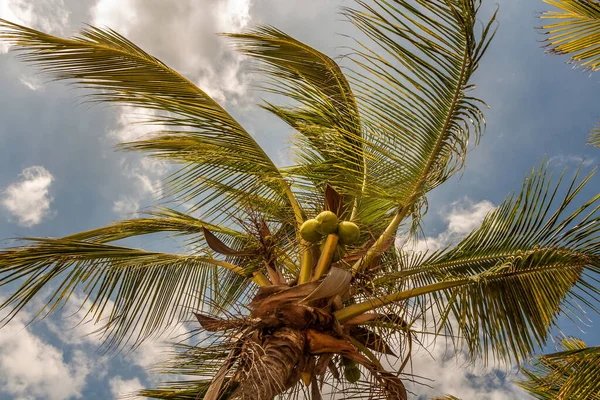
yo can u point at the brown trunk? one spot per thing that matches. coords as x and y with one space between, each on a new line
276 367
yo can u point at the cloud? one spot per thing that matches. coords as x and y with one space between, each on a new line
31 368
462 218
126 207
118 15
120 387
28 199
145 173
32 82
200 55
564 160
75 327
444 371
448 374
48 15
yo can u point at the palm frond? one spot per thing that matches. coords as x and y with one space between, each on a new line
159 220
196 130
576 32
413 82
326 115
594 138
134 294
201 362
505 284
570 374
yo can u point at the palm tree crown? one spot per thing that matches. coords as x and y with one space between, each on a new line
295 276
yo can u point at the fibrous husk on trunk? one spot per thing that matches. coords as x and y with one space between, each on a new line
276 365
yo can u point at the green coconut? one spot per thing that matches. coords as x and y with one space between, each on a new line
310 230
348 232
338 254
329 222
351 371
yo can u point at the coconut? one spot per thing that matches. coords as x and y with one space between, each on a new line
348 232
329 222
310 230
351 370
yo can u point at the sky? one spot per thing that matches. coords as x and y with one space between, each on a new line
59 173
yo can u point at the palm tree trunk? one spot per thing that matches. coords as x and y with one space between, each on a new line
275 365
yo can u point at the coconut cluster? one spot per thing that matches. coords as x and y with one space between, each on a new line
327 222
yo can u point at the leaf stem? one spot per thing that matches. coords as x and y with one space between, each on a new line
307 263
390 231
377 247
326 256
357 309
258 277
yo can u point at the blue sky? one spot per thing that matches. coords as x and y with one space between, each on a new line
59 175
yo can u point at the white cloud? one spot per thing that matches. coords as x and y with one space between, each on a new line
31 368
199 54
130 126
28 199
32 82
454 375
120 387
564 160
145 173
233 15
48 15
118 15
465 216
450 372
126 207
74 327
462 217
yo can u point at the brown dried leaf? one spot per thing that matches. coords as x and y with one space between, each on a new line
217 383
217 245
362 319
371 340
212 324
277 295
315 392
323 362
336 282
275 275
333 200
319 343
264 230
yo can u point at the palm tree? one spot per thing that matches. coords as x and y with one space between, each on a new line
570 374
577 33
294 277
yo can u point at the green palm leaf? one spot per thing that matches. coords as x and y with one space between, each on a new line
192 361
576 33
505 284
134 294
570 374
594 138
159 220
412 83
218 154
330 144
